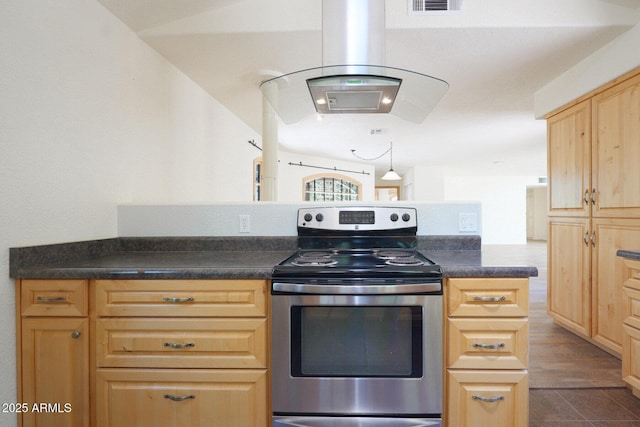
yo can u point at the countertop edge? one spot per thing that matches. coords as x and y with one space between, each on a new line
633 255
219 258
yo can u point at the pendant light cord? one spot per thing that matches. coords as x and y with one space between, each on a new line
390 149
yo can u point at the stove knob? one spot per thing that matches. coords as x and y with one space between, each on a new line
308 217
394 217
406 217
319 217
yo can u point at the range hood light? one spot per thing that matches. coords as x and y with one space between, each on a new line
387 101
320 101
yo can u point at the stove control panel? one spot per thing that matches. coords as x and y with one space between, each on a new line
348 218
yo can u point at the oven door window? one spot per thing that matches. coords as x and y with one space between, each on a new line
356 341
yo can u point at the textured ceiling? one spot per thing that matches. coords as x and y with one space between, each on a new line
494 54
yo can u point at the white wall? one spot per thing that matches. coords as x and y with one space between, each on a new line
92 117
503 197
268 218
611 61
290 177
504 204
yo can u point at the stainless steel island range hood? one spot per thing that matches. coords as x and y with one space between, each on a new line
353 78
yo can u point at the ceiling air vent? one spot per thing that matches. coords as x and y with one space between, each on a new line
427 7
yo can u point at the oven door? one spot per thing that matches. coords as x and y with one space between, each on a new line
349 355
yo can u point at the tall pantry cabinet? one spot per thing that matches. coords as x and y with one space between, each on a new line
594 208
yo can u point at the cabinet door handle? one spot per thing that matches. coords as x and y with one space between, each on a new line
179 398
75 335
178 300
40 298
487 399
489 299
174 345
489 346
585 238
593 239
593 196
586 197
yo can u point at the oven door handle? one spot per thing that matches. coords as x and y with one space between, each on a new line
377 289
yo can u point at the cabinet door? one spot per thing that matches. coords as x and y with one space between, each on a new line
177 398
569 287
608 277
55 372
488 398
616 151
569 163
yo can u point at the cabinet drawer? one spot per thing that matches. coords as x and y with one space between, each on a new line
632 307
631 356
171 398
632 275
488 398
66 298
491 297
181 298
488 343
181 343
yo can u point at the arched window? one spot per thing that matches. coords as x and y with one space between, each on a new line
331 187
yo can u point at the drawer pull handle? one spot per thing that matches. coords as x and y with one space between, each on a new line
489 299
488 346
50 299
174 345
178 300
179 398
487 399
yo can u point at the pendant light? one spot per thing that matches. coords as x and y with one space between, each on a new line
391 175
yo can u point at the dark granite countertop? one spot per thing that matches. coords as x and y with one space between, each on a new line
223 258
634 255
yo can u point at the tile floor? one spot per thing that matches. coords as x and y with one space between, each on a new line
597 407
579 406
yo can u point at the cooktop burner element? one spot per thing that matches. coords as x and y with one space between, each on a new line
393 254
404 260
318 259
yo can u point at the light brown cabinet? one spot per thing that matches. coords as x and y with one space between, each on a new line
569 275
569 161
585 276
156 353
487 352
181 397
176 352
53 353
615 175
631 337
594 206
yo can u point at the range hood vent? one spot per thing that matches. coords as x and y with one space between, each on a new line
353 93
353 78
424 7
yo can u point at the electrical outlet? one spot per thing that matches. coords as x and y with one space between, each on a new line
467 222
244 225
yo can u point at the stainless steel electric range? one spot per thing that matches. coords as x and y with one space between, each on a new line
357 323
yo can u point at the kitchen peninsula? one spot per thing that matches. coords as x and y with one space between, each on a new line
152 326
